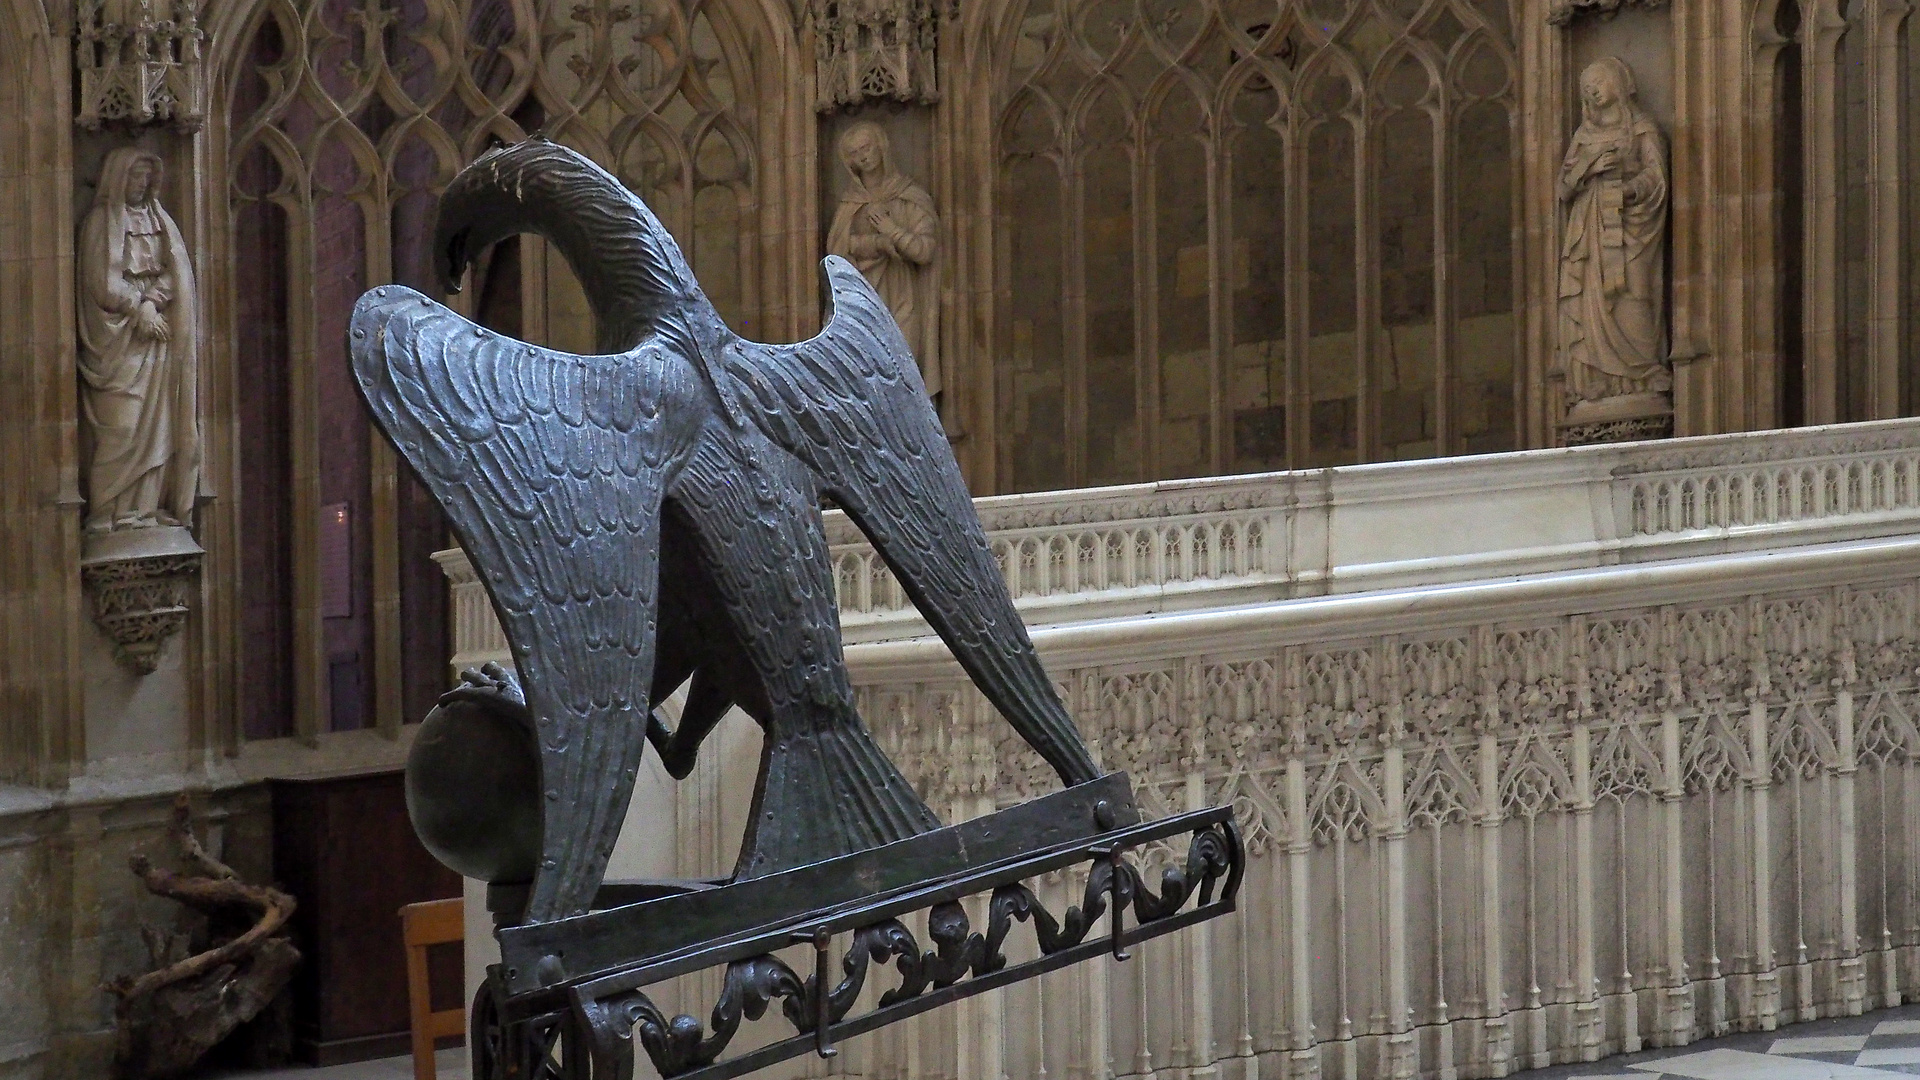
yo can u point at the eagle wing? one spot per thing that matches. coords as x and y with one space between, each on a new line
850 404
550 468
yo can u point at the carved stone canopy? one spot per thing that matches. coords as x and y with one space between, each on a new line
874 50
141 581
139 62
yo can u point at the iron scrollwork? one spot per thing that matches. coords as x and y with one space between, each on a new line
679 1045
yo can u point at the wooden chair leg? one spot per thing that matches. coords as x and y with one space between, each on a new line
434 922
419 1006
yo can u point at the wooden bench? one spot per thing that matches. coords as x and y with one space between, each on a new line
435 922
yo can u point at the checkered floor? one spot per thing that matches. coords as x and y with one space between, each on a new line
1879 1048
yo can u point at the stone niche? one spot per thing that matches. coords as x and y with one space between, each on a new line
139 569
1638 34
909 283
1642 36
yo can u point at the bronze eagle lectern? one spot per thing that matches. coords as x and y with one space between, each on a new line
649 518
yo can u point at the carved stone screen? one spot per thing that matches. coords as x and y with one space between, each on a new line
1270 234
347 119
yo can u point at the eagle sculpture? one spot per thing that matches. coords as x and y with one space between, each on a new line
651 515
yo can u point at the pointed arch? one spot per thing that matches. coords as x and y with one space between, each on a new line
1391 75
362 130
1462 64
1345 804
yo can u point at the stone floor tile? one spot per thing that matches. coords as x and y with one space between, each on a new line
1746 1065
1818 1044
1889 1055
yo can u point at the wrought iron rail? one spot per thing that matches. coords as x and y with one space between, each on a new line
593 1020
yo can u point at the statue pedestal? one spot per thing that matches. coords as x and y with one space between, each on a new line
1627 418
140 581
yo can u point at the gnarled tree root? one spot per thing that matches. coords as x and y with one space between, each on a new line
170 1017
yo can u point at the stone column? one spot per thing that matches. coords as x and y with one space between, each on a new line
1589 1019
1678 1010
1496 1028
1759 779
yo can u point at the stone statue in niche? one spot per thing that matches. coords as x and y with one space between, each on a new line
886 226
1612 294
138 364
139 377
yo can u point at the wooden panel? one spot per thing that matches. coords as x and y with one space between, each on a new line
345 849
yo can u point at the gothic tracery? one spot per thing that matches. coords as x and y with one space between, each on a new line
347 118
1196 164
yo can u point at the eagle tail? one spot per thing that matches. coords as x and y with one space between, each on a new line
832 794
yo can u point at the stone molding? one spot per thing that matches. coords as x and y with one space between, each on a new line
1628 418
1148 551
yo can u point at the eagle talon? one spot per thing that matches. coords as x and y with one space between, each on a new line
493 678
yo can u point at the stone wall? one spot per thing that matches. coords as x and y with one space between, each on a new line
71 912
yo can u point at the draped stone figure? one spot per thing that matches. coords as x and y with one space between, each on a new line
138 362
886 226
1612 295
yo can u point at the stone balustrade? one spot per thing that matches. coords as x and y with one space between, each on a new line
1080 555
1540 756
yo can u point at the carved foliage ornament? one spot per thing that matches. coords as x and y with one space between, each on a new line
139 62
141 582
874 50
1615 675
